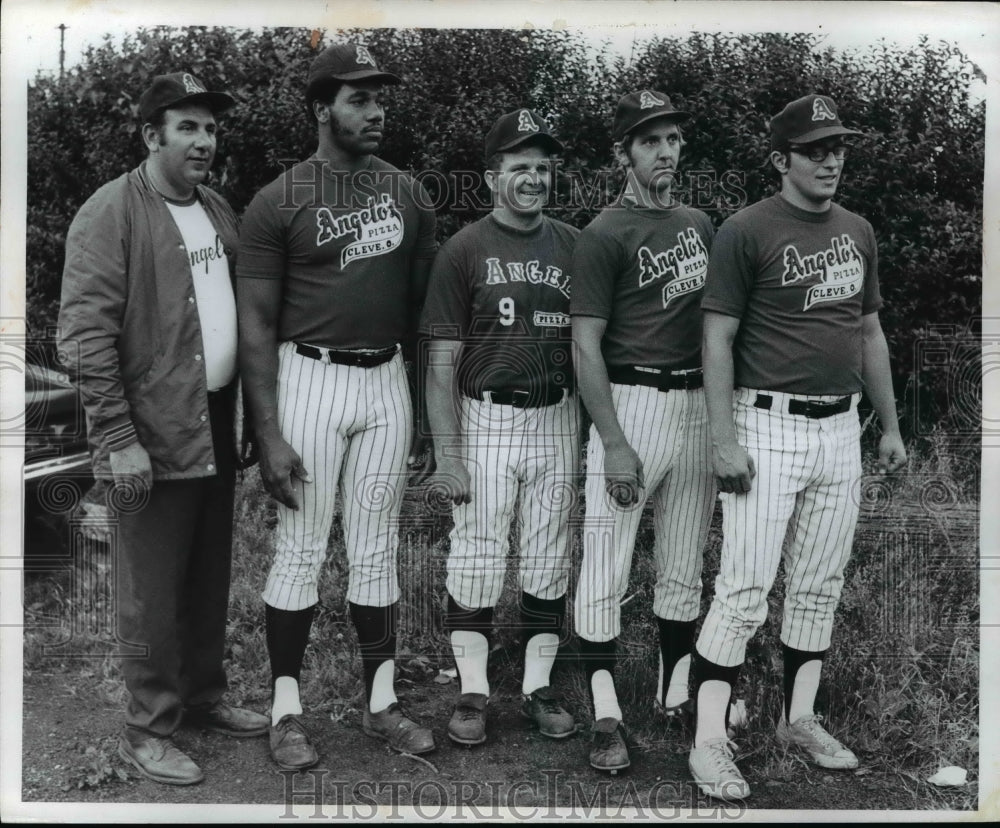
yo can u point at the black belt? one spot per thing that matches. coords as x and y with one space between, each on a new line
814 409
523 399
660 379
358 359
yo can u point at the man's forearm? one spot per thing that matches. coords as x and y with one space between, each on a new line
259 374
877 377
442 409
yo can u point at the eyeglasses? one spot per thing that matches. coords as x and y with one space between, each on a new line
818 152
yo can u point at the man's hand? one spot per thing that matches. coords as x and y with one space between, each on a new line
623 476
891 454
279 464
421 460
131 462
452 480
734 468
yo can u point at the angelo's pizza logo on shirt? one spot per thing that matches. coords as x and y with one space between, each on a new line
377 229
839 268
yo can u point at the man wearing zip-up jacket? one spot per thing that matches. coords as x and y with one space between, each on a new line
148 332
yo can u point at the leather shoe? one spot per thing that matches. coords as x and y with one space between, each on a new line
231 721
291 747
158 758
403 734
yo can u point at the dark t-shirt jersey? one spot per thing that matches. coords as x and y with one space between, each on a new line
504 294
343 247
800 283
643 271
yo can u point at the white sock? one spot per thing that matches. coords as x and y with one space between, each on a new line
286 699
471 650
677 690
383 690
713 702
804 690
539 655
602 685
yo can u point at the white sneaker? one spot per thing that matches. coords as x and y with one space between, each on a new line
807 733
715 772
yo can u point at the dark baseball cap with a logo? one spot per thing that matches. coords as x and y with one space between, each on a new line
347 62
807 119
179 88
636 108
518 127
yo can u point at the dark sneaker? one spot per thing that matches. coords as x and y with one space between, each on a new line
158 758
715 772
544 708
391 725
291 747
468 723
808 734
609 752
231 721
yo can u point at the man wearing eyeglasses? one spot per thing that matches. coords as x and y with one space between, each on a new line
791 322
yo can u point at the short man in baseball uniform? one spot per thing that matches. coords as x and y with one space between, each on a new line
791 319
505 419
334 255
638 270
148 325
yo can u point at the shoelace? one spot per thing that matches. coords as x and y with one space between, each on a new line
819 733
549 705
466 712
603 740
720 754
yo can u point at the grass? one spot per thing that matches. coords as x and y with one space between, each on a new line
901 681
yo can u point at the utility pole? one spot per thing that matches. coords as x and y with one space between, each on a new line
62 49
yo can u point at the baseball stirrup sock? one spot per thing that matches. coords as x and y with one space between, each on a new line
376 628
287 633
715 689
599 664
676 646
471 632
801 681
542 621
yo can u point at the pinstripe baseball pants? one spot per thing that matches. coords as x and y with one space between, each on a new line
807 483
508 450
669 432
352 428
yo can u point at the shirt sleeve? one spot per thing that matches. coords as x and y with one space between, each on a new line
263 247
872 298
596 263
426 246
92 308
447 309
731 270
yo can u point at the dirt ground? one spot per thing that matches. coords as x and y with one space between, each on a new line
70 731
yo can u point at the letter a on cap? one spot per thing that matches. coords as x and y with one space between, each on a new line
822 111
525 123
647 100
362 55
192 86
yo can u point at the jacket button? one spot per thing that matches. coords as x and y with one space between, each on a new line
191 300
210 467
197 357
204 417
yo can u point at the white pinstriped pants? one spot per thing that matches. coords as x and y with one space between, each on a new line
808 484
669 432
352 428
507 451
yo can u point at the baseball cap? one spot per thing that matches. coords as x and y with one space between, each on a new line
807 119
347 62
518 127
638 107
176 88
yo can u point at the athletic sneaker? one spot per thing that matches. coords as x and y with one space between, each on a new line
807 733
545 709
468 722
715 772
609 753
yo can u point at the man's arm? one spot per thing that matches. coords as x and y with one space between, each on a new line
257 304
734 468
451 475
622 467
420 461
877 377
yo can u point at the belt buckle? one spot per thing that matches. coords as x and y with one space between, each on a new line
514 398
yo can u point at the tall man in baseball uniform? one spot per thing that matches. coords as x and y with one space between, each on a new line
505 419
638 270
791 319
148 326
334 255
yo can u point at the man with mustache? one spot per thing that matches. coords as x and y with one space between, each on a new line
148 329
334 260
